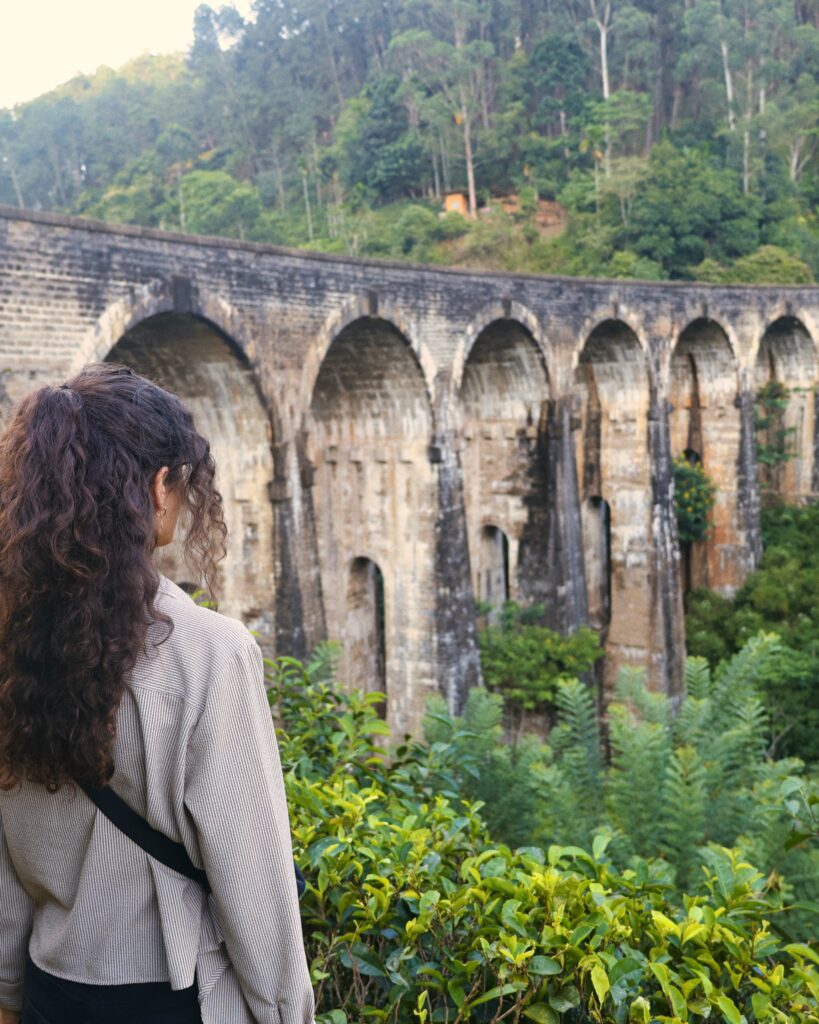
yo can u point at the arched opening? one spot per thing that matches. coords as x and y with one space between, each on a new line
612 398
191 358
365 638
596 518
784 380
492 570
504 393
705 420
375 491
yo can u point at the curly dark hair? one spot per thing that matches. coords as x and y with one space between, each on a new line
77 575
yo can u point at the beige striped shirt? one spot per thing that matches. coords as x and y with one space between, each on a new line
196 755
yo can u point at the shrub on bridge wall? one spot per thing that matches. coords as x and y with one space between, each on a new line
523 661
694 496
413 914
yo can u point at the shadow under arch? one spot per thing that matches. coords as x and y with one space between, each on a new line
506 310
612 394
192 357
364 643
504 398
375 492
705 418
492 572
361 309
785 371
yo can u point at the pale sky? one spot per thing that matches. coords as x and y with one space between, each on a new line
43 43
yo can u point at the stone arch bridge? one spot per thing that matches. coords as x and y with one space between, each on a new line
394 441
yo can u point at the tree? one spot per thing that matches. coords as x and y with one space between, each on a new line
687 209
217 204
378 149
451 59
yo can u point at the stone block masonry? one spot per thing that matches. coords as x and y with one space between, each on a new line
396 441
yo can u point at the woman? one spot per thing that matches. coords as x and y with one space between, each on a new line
109 673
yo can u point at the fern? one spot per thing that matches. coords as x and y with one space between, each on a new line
631 688
698 681
685 802
640 755
736 680
575 740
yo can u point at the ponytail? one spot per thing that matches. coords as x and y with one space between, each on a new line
77 579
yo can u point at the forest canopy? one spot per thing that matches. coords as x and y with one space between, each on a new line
633 138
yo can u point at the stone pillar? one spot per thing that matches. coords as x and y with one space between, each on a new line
457 659
568 607
667 668
300 623
815 473
536 583
748 505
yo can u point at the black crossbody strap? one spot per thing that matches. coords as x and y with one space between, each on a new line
172 854
157 844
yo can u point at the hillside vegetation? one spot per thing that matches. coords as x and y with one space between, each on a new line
680 137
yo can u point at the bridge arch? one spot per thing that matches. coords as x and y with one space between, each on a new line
705 423
159 296
190 356
611 393
356 310
375 494
785 377
503 397
506 310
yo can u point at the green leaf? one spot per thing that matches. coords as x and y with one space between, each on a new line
540 1013
543 966
628 965
457 992
495 993
729 1010
799 949
795 838
600 980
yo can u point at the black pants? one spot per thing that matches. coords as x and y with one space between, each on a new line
50 1000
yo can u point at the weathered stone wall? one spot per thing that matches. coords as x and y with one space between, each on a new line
372 420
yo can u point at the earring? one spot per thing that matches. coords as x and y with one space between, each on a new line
162 513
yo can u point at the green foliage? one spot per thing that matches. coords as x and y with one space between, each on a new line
694 497
770 264
674 781
214 203
774 440
781 597
336 117
687 209
523 661
413 913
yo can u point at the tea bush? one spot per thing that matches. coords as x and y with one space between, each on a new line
413 913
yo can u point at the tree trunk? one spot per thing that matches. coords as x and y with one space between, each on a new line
729 85
470 164
444 163
675 107
332 57
16 183
746 135
307 209
603 22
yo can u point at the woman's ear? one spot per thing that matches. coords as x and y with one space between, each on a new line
159 491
